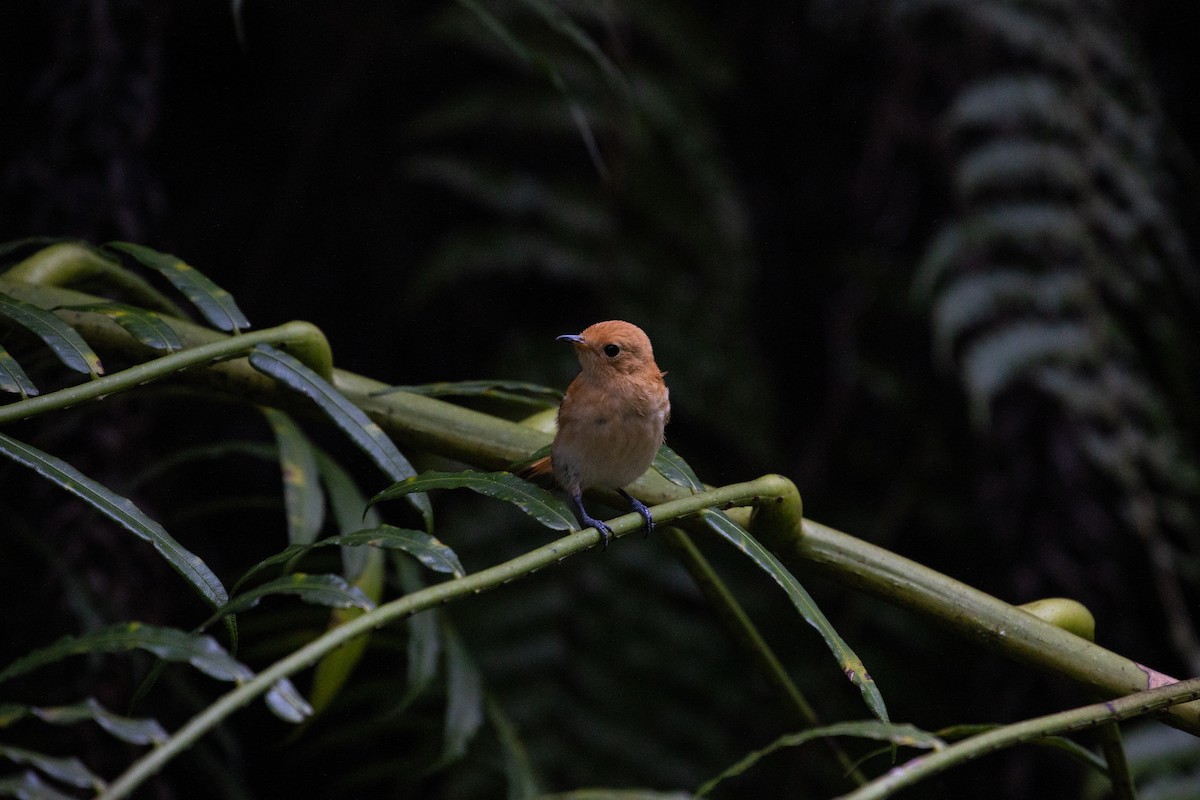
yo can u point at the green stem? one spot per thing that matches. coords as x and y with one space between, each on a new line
926 766
519 567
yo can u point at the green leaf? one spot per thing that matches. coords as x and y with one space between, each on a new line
902 735
214 303
323 590
67 345
513 391
347 503
464 699
12 378
424 636
169 644
676 470
369 437
518 769
850 663
145 326
28 786
533 500
127 729
68 770
303 498
427 549
122 511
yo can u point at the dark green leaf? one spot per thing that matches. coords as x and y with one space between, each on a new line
424 636
29 241
134 731
169 644
323 590
518 768
851 664
67 345
902 735
28 786
12 378
303 498
145 326
513 391
214 303
464 699
347 503
122 511
533 500
369 437
68 770
676 470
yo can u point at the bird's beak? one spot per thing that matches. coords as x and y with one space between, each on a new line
573 338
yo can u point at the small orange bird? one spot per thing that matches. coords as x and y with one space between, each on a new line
611 421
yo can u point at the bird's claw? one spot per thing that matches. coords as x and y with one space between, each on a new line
641 509
601 528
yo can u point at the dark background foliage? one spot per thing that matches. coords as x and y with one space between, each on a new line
760 186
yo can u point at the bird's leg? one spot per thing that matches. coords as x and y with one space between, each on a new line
589 521
640 508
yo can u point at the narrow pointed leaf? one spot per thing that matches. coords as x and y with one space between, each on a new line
533 500
518 767
668 464
369 437
145 326
68 770
427 549
122 511
67 345
346 503
12 378
323 590
902 735
169 644
127 729
302 495
850 663
513 391
464 700
424 636
28 786
214 303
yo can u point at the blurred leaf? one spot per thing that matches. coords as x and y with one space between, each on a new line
127 729
902 735
850 663
122 511
424 637
28 786
347 504
518 769
464 699
369 437
533 500
169 644
668 464
68 770
513 391
323 590
303 498
214 303
61 338
12 378
145 326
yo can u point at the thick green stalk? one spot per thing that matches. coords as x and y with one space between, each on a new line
440 593
926 766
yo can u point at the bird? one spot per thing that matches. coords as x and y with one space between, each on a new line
611 420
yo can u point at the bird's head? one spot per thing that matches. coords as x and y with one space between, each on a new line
612 347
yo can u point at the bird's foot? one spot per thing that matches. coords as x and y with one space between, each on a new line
588 521
640 508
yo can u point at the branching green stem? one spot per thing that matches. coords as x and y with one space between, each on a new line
926 766
520 567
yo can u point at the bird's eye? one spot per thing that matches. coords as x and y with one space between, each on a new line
611 350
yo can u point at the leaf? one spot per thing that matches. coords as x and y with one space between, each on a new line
28 786
347 503
427 549
513 391
68 346
464 699
303 498
12 378
68 770
145 326
122 511
533 500
169 644
424 637
851 664
369 437
323 590
214 303
518 769
127 729
902 735
668 464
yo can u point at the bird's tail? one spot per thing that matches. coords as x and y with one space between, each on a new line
534 470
